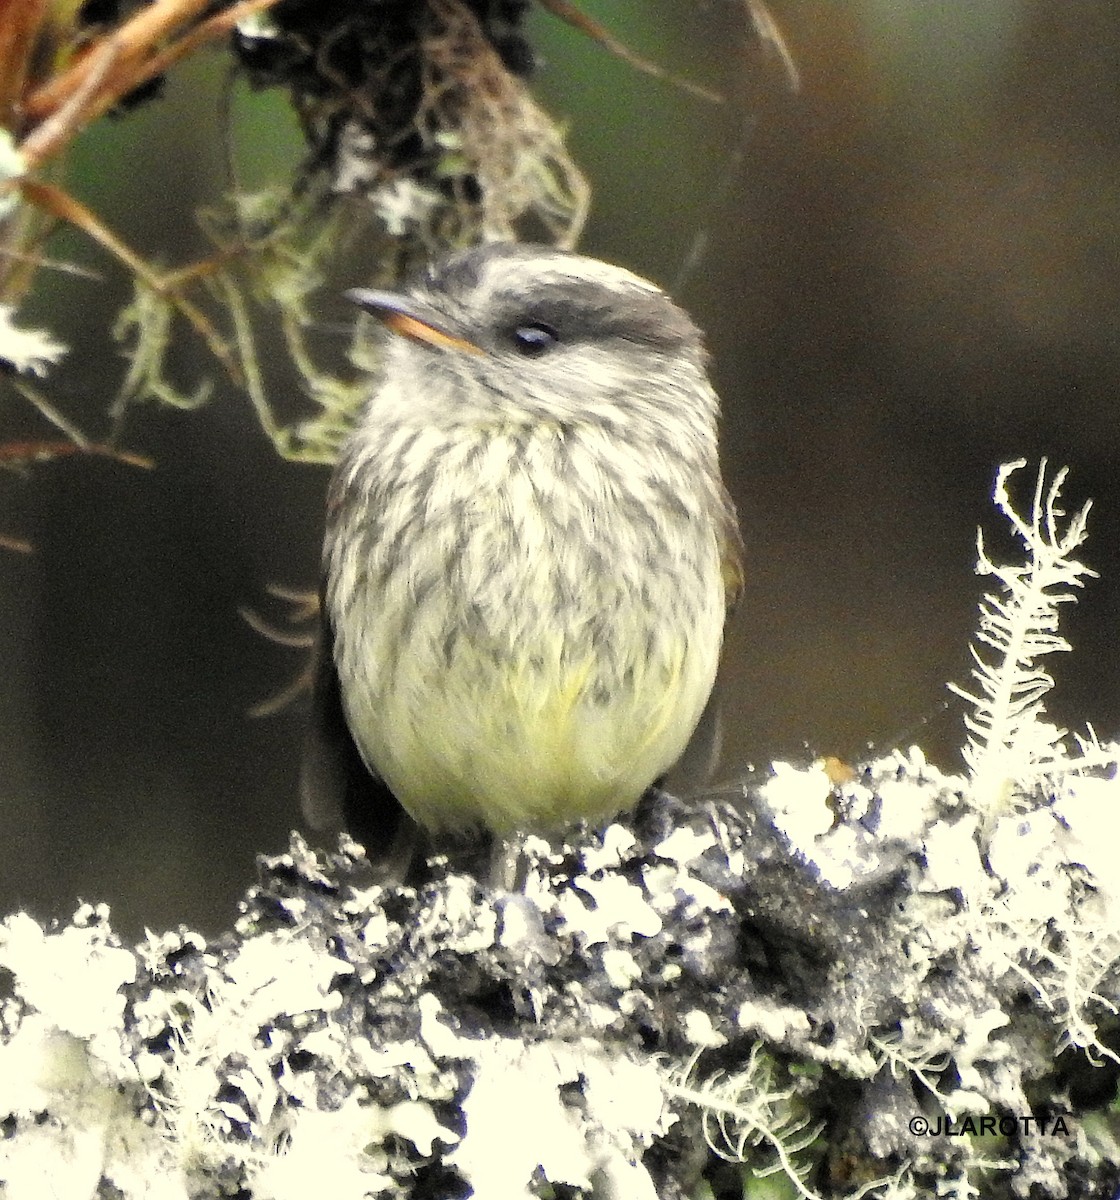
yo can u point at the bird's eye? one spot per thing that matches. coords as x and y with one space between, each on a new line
535 339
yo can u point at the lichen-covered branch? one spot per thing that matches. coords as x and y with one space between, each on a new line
788 976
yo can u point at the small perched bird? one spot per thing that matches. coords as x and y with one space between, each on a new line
529 555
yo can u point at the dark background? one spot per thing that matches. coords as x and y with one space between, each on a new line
911 275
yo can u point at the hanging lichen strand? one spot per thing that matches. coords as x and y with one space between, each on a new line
422 108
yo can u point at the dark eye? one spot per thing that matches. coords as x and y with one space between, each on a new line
535 339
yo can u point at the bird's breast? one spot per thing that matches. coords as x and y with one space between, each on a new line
514 540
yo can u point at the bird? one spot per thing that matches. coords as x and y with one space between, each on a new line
528 560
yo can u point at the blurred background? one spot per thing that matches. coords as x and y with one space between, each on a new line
910 272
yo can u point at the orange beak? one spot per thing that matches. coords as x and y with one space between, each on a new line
410 319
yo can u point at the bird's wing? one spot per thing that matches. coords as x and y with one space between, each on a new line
337 789
697 765
732 550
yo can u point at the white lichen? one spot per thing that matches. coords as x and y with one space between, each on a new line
747 1118
28 351
1010 743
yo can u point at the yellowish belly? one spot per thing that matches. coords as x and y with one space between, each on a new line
522 745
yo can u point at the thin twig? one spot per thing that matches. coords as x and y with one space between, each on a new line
769 32
52 133
42 262
48 410
59 204
579 20
17 453
134 39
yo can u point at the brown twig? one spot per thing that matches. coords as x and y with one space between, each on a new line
60 126
117 64
19 453
54 200
21 24
128 45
